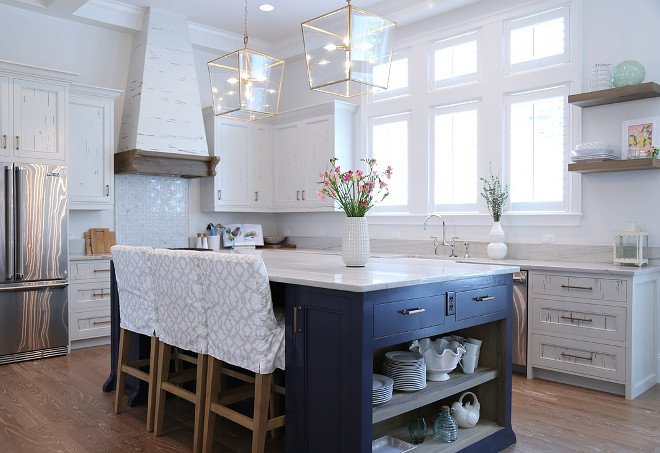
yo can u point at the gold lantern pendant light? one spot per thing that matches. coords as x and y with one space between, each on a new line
246 84
348 51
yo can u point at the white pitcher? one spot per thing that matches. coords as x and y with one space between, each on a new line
466 415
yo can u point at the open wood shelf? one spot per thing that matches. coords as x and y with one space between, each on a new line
466 437
406 401
615 165
614 95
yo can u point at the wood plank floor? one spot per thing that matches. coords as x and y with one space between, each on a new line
56 405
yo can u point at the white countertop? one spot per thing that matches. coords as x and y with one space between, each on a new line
567 266
79 257
325 270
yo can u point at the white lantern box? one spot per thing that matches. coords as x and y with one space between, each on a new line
631 247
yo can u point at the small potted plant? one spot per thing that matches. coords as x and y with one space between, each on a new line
355 192
496 196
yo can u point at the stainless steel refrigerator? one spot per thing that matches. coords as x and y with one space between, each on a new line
34 318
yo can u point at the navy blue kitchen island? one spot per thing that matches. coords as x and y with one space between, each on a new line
341 321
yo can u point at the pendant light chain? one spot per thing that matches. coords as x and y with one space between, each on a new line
245 34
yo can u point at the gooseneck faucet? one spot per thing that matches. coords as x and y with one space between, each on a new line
435 244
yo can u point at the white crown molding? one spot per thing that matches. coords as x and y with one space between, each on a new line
216 39
113 13
36 71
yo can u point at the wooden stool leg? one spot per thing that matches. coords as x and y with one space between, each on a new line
153 377
262 384
124 345
212 390
164 352
200 399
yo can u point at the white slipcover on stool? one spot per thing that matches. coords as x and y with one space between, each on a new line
181 323
137 313
244 331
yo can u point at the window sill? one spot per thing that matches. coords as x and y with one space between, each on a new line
509 218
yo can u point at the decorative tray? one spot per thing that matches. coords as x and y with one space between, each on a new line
389 444
274 239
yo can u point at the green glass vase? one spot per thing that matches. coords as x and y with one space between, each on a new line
626 73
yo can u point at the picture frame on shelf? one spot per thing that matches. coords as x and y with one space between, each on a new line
639 136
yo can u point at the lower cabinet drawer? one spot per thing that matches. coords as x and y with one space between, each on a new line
575 318
89 296
89 324
410 314
480 302
579 357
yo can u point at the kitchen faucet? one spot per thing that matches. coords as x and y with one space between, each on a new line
435 238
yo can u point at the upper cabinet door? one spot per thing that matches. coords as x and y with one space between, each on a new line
5 142
235 160
39 120
91 148
286 152
262 165
318 146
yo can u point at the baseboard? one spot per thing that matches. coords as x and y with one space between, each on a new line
595 384
89 342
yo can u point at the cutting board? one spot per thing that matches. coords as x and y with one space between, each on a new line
100 240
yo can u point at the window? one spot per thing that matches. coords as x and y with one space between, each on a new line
456 60
537 127
538 40
390 145
456 142
398 77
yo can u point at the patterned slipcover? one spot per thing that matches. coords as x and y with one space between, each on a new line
178 284
243 328
137 306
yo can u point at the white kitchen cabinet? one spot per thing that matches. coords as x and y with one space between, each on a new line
89 302
242 181
595 330
91 147
33 113
304 141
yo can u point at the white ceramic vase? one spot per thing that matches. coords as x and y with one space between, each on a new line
497 248
355 242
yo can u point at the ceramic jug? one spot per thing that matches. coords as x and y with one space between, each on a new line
466 415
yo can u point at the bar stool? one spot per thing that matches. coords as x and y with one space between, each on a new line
181 323
137 312
244 331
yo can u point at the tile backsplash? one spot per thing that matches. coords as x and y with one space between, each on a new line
151 210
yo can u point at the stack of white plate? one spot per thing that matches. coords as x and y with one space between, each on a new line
382 389
593 151
407 368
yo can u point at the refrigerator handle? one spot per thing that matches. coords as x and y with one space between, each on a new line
20 228
9 222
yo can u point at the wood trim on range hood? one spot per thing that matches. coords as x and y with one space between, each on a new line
155 163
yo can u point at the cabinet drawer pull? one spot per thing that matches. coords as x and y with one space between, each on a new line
588 288
107 190
219 194
101 270
484 298
101 294
18 142
100 322
577 319
4 141
563 354
297 195
296 329
413 311
256 196
303 195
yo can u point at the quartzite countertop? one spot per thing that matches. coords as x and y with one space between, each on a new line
324 270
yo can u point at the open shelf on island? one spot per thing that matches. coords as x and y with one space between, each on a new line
614 95
406 401
615 165
466 437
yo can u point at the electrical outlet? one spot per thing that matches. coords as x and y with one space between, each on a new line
451 303
396 234
548 238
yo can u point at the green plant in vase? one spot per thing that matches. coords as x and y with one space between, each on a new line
496 196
